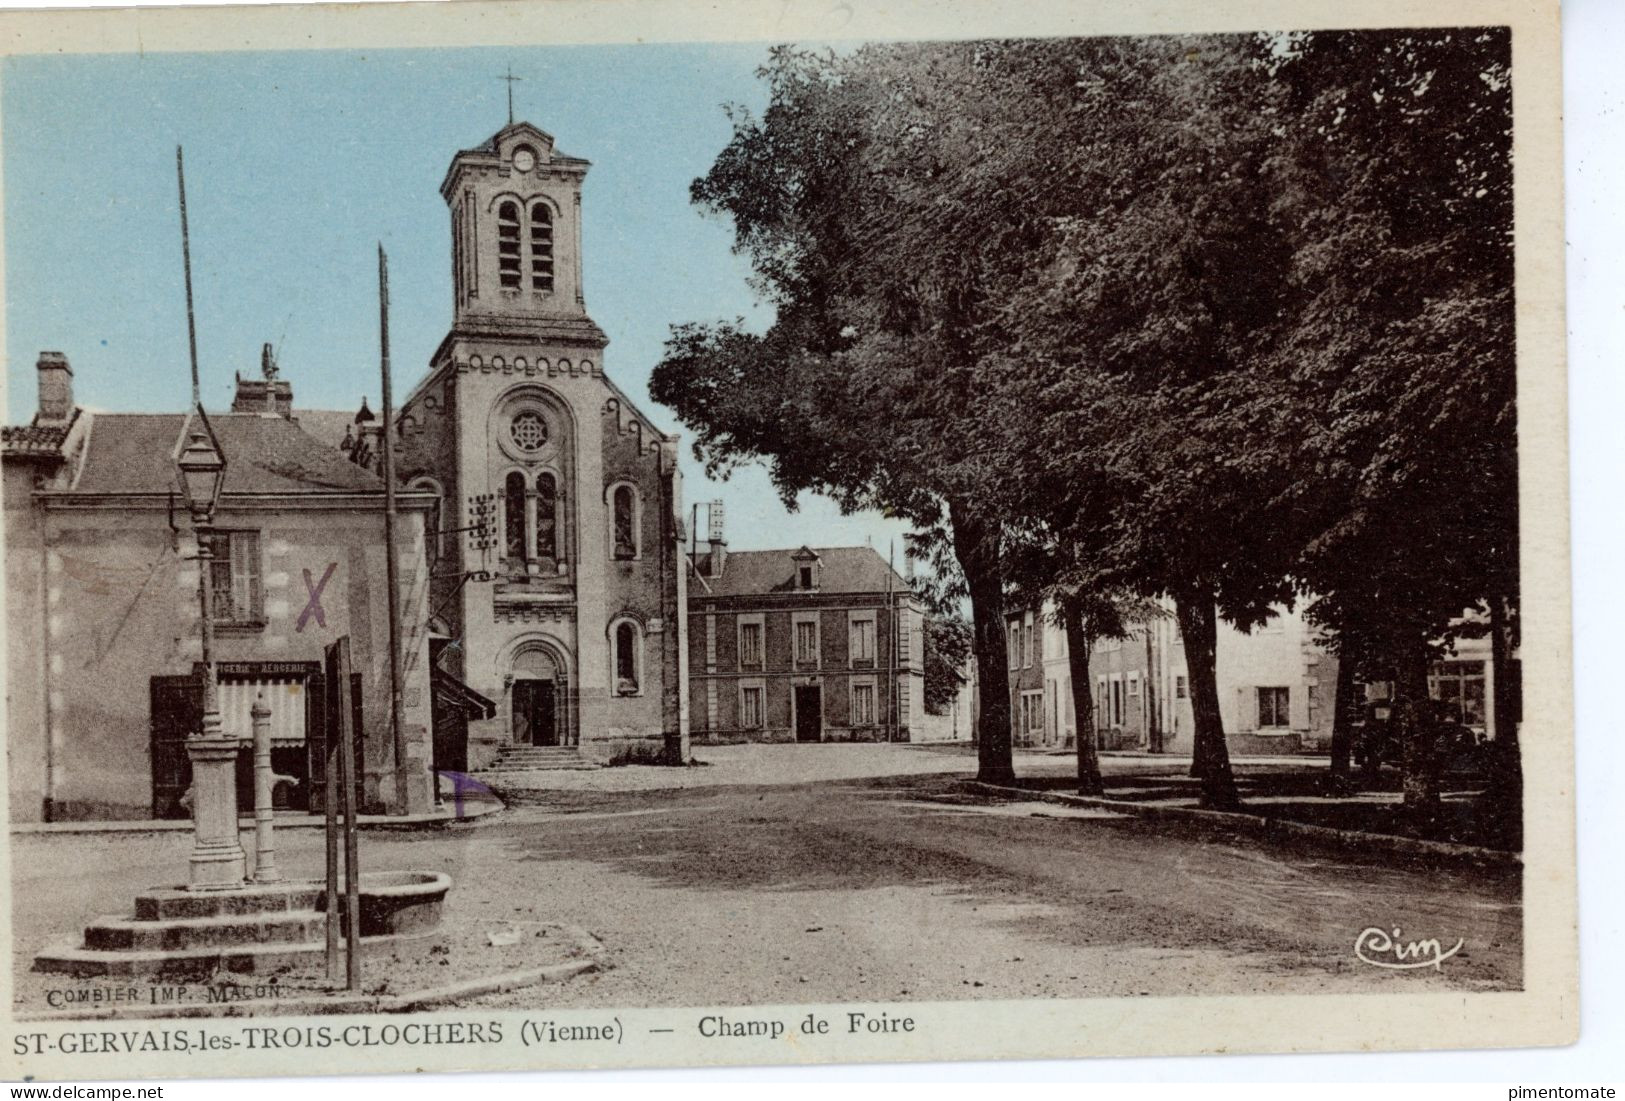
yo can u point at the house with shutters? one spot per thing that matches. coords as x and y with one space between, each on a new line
1277 686
806 645
103 616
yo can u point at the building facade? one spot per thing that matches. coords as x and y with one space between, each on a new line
1277 686
103 627
805 645
557 557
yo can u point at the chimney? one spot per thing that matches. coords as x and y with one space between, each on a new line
367 447
268 394
55 389
719 546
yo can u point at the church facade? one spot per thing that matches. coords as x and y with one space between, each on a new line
558 580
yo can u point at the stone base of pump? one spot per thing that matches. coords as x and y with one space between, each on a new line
256 930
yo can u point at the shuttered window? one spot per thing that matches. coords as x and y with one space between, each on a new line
235 576
508 245
863 641
863 705
806 641
750 644
750 707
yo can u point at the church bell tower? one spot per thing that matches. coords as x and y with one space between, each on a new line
516 232
561 578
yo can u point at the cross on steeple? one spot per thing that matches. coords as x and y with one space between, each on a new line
510 79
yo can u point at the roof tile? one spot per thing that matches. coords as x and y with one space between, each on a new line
134 453
843 570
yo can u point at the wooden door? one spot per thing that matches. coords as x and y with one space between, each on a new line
809 714
535 712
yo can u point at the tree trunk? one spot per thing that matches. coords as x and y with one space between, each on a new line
1340 780
1506 759
1078 645
1153 726
1417 731
1210 760
977 547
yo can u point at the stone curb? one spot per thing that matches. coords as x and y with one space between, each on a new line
482 811
1273 829
411 1001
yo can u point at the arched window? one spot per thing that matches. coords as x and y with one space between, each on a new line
513 515
624 508
541 247
434 523
547 516
508 244
626 644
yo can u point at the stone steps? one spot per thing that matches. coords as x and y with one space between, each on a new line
200 962
520 758
179 904
255 929
121 934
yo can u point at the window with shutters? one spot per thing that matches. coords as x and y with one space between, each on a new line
508 245
541 247
807 641
1274 707
863 640
750 644
863 705
234 573
1032 712
750 706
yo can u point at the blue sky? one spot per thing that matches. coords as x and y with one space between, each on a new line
297 163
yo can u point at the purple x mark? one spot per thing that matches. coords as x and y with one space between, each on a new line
313 606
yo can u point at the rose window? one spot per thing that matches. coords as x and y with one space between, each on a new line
528 431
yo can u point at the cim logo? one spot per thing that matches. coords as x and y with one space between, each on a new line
1384 948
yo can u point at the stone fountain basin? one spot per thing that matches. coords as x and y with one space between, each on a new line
396 903
258 928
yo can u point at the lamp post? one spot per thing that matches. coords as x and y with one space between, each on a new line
217 861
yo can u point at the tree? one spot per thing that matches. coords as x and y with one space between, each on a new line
859 388
947 649
1166 270
1402 359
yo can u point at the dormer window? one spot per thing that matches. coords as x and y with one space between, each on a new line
806 570
541 248
508 244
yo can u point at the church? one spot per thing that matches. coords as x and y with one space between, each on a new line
543 588
558 587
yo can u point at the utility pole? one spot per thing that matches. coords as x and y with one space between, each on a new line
392 565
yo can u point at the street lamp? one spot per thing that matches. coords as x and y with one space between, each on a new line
217 861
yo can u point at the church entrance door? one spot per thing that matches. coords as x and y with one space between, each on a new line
535 712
